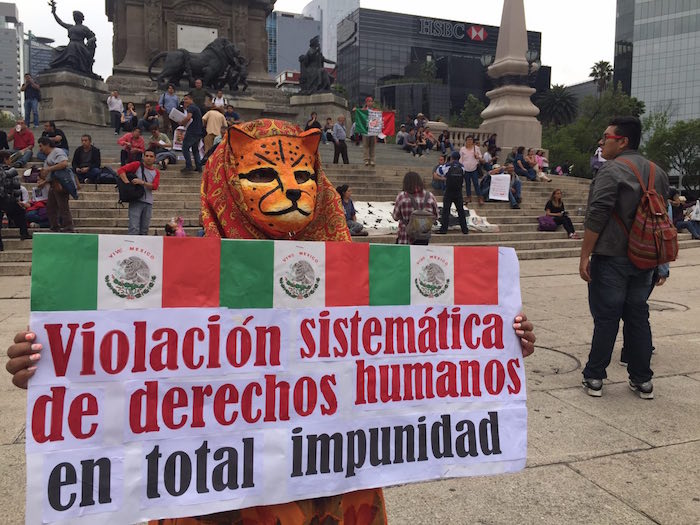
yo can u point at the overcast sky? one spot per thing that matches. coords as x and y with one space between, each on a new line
575 34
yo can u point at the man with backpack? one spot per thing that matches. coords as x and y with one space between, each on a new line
137 182
454 175
625 220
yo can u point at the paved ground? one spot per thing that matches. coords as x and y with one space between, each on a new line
617 459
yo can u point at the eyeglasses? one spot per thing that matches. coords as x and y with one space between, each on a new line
614 137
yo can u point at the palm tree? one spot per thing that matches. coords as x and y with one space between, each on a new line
558 106
602 73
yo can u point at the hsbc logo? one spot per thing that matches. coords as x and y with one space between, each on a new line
477 33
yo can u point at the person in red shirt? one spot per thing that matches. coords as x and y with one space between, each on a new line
133 147
23 144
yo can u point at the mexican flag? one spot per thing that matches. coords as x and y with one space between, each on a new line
113 272
372 122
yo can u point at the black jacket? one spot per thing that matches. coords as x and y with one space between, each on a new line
95 158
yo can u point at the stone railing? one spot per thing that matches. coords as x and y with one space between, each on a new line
459 135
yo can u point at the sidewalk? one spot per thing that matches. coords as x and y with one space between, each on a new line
616 459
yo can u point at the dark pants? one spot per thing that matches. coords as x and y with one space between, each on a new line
450 197
90 176
116 118
58 210
472 177
129 156
340 148
191 143
565 222
619 290
14 212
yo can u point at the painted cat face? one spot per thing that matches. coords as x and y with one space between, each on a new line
278 181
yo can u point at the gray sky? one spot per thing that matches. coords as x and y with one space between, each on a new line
575 34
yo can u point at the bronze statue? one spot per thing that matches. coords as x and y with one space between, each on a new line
79 55
313 76
220 62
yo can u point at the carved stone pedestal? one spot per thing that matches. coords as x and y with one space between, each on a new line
69 97
324 104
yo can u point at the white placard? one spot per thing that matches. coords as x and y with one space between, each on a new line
500 186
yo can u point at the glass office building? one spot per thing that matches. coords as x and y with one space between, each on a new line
657 54
378 49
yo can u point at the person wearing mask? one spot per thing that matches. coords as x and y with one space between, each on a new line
116 110
147 175
87 160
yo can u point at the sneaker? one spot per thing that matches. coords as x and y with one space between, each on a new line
644 390
593 387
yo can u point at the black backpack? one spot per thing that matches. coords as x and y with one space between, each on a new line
130 192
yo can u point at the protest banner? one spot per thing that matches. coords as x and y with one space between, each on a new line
186 376
500 187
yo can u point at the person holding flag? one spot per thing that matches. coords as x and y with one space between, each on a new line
370 123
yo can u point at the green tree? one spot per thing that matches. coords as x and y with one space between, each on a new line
7 120
558 106
470 116
602 73
428 71
676 147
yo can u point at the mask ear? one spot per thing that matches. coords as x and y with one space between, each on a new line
238 139
311 139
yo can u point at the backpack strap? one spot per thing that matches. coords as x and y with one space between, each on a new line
633 167
425 201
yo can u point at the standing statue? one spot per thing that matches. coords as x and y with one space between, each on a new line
79 54
313 76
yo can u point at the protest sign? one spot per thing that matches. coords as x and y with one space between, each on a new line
185 376
500 187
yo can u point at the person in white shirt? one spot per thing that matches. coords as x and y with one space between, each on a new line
116 108
219 100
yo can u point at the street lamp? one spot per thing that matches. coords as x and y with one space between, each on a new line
531 56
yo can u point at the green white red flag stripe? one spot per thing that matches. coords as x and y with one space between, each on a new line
111 272
373 122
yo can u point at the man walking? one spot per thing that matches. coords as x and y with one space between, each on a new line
214 120
32 97
339 137
617 289
193 134
146 175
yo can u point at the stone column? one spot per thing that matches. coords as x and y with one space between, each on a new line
511 113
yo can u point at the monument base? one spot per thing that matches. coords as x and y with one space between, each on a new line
512 115
324 104
70 97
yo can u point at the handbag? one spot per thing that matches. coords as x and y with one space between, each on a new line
546 223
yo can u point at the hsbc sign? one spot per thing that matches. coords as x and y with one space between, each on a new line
452 30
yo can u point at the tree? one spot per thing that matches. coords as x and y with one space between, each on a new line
677 147
428 70
470 116
558 106
602 73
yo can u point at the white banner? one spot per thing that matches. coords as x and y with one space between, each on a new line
500 186
157 413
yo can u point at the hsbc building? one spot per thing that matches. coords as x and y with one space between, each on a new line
382 54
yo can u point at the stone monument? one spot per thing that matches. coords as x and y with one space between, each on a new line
511 113
70 90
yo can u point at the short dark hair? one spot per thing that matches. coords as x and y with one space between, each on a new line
171 86
454 155
629 127
86 135
188 94
45 141
154 127
152 149
412 183
521 149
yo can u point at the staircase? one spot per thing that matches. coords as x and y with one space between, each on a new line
97 211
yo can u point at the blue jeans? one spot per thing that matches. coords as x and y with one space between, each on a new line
692 226
26 157
31 105
91 175
529 173
514 197
472 177
619 290
191 143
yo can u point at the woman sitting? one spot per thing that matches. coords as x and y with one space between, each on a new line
531 159
555 209
522 166
130 118
413 194
444 142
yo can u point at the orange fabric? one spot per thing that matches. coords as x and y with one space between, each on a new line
223 215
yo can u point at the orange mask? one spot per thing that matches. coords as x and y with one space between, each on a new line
265 181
